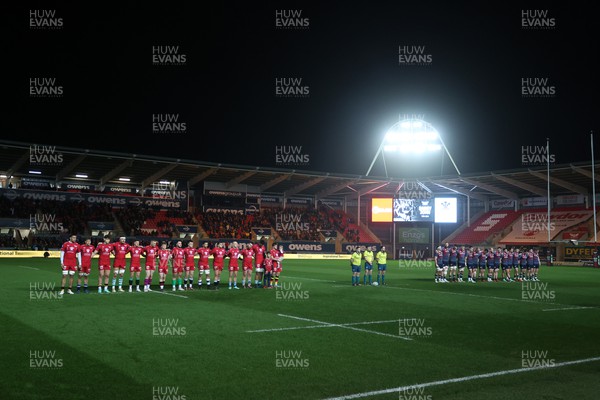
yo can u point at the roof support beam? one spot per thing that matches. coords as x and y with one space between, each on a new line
567 185
491 188
201 177
585 172
156 176
274 181
115 171
303 186
239 179
70 167
525 186
462 191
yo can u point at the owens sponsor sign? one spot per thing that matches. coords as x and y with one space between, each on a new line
114 200
350 247
307 247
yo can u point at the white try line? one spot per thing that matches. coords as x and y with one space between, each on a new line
292 328
23 266
463 379
344 326
169 294
567 308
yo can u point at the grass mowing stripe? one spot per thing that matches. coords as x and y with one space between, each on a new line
345 327
463 379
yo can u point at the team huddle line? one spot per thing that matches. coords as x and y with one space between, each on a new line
75 257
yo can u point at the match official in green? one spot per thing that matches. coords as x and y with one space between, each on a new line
381 258
368 256
355 261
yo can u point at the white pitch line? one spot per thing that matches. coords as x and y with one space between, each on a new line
22 266
292 328
169 294
345 327
567 308
306 279
462 379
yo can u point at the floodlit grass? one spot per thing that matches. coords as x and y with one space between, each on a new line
342 339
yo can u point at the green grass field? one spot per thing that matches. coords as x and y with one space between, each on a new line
343 340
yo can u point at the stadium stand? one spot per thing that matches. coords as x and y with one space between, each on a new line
490 223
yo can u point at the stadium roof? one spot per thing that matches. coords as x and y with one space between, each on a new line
105 168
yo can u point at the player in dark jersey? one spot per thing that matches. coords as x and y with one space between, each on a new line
472 264
506 265
482 259
439 266
445 261
515 264
536 264
461 262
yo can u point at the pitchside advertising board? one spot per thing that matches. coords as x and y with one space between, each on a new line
114 200
307 247
413 235
576 253
351 247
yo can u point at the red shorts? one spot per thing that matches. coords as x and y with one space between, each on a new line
190 268
164 270
233 268
247 267
177 270
203 267
267 269
277 269
85 270
218 268
69 268
150 268
119 264
135 269
104 267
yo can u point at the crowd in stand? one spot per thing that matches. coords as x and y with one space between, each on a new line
352 235
227 225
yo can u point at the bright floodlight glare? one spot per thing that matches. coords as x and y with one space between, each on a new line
405 124
35 172
81 176
412 136
124 179
164 182
417 124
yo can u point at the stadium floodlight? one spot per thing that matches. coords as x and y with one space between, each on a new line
164 182
81 176
35 172
411 136
124 179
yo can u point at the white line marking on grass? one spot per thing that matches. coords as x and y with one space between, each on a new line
463 379
345 327
322 326
169 294
22 266
567 308
306 279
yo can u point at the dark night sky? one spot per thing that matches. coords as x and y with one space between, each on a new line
348 57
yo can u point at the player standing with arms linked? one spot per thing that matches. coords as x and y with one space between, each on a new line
203 267
86 252
248 255
104 250
70 260
259 252
150 252
120 250
177 256
218 261
233 253
135 265
190 266
164 255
